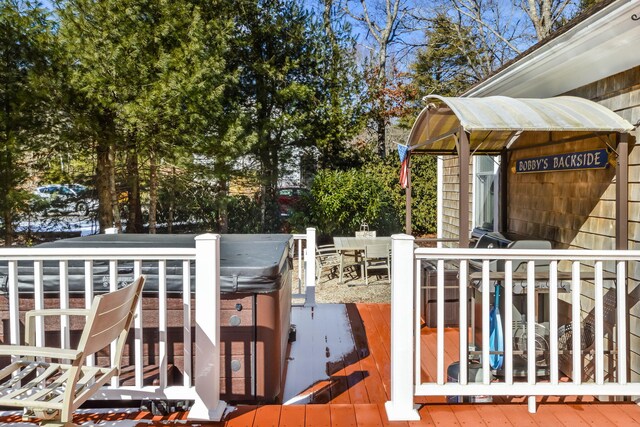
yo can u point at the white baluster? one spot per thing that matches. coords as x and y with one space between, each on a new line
186 327
208 405
400 407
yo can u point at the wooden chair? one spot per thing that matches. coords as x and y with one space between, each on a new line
376 257
52 391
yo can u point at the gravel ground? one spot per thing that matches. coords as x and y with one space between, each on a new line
328 290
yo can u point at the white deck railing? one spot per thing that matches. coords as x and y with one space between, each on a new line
199 384
577 279
208 405
305 260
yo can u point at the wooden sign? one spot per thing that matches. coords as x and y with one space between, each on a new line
593 159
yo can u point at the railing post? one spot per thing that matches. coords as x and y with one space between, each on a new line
208 405
400 407
310 269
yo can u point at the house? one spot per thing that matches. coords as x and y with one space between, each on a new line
547 150
588 216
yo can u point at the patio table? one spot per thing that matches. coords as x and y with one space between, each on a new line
356 245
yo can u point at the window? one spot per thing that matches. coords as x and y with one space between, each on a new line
485 181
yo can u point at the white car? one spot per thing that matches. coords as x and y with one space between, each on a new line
64 198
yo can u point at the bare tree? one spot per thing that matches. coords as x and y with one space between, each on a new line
385 22
489 32
545 14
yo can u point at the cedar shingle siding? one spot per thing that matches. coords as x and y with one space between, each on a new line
574 209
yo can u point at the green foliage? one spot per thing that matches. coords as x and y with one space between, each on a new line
147 78
27 53
289 88
244 215
441 67
423 194
342 200
345 199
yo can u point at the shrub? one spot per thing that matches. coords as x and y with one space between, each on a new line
342 200
244 215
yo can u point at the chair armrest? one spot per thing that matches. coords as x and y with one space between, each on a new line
30 318
31 351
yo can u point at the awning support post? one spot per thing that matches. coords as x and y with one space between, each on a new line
463 214
622 192
504 181
407 196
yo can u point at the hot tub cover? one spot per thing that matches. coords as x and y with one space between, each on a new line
251 263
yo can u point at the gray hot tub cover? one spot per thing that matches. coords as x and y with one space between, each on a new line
250 263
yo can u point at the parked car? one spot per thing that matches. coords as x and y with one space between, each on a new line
290 199
64 198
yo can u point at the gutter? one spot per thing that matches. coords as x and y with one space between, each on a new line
596 44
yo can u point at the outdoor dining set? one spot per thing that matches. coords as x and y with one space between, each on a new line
363 254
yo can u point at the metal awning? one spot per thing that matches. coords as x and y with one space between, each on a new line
498 125
494 122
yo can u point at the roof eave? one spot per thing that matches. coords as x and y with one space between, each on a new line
600 45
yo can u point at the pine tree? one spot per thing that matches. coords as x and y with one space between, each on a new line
151 76
27 50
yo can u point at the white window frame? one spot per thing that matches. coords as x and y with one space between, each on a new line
475 189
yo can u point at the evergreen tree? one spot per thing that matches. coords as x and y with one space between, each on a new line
284 59
150 73
27 51
442 66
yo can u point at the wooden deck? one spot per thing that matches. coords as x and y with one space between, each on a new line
359 384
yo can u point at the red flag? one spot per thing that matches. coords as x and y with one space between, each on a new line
403 152
404 173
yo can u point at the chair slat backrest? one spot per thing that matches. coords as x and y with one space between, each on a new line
111 315
376 251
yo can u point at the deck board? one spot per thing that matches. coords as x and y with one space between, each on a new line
317 416
367 415
340 385
494 417
467 415
616 415
267 416
593 418
372 378
242 416
377 353
565 418
293 416
442 415
342 415
355 393
632 411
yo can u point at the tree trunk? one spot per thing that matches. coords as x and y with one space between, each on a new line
172 202
223 214
134 217
381 123
5 187
153 192
115 208
8 227
103 166
382 135
270 213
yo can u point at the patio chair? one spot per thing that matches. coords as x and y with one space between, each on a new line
327 258
376 257
52 391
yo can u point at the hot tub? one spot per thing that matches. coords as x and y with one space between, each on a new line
255 299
